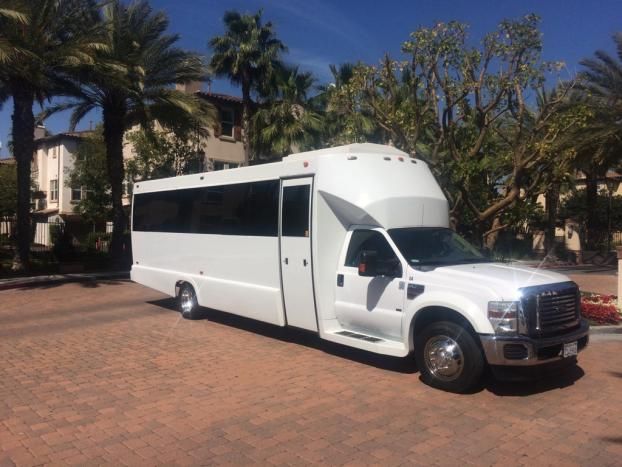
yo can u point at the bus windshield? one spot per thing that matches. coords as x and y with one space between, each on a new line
435 246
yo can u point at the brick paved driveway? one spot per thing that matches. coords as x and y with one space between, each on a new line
105 373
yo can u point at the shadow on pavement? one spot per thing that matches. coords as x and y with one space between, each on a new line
88 283
556 380
613 439
301 337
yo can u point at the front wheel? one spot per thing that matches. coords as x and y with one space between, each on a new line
448 357
188 303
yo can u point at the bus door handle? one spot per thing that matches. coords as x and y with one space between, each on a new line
286 261
304 262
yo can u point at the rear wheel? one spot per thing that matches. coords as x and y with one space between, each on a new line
448 357
188 304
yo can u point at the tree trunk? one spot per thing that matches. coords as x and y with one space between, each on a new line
591 201
246 121
114 127
23 148
491 236
552 203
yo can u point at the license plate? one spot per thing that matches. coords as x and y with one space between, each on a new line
570 349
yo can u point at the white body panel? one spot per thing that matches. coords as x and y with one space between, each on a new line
378 187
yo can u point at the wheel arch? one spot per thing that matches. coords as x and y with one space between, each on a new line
188 281
434 313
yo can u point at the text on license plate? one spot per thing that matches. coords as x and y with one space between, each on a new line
570 349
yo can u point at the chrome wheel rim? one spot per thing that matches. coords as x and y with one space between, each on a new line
444 358
187 300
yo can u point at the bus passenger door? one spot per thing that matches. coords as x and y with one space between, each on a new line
295 238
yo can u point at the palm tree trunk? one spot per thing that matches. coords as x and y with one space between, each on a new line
23 148
114 128
246 121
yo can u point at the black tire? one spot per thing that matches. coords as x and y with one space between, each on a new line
448 357
187 302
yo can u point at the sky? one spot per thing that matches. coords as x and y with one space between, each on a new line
320 32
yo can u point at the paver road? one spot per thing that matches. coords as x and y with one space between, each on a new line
108 373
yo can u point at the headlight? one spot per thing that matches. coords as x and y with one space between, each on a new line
503 316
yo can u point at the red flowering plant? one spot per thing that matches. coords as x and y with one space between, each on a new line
600 309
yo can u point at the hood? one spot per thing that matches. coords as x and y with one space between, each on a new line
500 279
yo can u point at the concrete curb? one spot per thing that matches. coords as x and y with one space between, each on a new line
36 281
609 329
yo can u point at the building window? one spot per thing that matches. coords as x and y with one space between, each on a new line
219 165
53 190
78 194
227 122
54 152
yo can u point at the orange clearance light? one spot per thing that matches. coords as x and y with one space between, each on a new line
401 159
305 163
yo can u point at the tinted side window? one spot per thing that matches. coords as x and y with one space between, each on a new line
163 211
296 211
239 209
368 240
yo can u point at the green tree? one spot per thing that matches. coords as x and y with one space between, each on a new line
599 143
286 122
347 117
42 44
132 84
465 110
90 172
246 53
158 154
8 190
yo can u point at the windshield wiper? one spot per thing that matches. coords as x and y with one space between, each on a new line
473 260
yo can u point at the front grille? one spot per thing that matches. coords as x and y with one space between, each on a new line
551 309
557 310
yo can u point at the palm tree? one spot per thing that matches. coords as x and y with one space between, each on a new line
599 144
345 119
42 42
132 84
287 122
11 12
246 54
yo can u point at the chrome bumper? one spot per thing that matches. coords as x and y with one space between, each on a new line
539 351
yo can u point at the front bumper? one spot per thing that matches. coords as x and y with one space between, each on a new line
525 351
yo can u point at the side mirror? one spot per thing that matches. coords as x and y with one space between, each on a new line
368 264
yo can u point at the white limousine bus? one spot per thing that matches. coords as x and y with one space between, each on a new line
352 243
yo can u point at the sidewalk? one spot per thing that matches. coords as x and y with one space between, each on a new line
20 282
606 284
